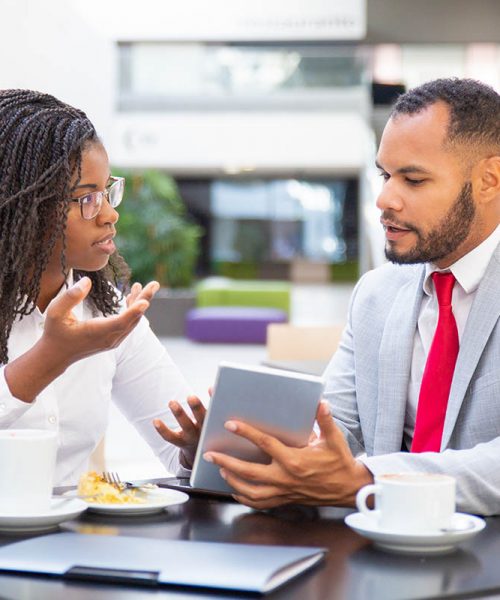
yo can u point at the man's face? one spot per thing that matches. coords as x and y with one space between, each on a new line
427 206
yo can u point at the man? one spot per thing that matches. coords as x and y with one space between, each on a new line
415 384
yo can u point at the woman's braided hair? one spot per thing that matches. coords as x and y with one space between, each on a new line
41 145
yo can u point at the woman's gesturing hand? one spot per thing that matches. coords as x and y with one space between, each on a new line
188 436
65 339
65 334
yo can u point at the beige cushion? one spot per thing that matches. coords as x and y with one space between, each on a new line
294 342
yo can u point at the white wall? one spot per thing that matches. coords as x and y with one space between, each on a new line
227 20
67 48
47 46
280 141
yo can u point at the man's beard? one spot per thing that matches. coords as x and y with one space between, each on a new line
444 239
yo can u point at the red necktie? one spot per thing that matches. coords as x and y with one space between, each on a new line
438 372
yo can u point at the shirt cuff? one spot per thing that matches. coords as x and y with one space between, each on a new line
385 463
11 408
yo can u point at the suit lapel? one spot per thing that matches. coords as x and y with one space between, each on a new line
483 316
395 355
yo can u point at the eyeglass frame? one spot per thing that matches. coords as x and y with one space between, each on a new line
101 195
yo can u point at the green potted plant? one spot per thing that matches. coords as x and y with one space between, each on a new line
157 239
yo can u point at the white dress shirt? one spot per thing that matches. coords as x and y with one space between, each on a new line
138 375
468 272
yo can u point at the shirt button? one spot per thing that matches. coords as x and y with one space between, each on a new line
41 324
2 406
52 419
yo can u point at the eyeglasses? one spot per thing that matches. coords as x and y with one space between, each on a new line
90 204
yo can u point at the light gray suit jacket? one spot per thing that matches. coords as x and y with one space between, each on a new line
367 384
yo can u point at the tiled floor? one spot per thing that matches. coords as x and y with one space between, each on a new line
127 453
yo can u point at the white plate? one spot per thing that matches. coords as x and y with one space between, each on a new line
466 526
61 509
156 501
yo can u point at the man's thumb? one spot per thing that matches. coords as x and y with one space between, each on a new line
325 421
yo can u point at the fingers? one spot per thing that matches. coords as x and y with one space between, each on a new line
189 433
135 290
269 444
147 292
256 493
329 431
252 472
61 305
189 429
198 410
137 293
169 435
261 504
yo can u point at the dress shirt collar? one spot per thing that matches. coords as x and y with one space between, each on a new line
470 269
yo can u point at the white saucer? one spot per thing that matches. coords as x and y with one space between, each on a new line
156 501
466 526
61 509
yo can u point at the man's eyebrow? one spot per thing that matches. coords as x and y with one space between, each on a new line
406 170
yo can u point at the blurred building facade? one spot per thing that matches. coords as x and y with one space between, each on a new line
267 113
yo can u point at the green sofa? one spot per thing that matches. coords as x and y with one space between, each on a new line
223 291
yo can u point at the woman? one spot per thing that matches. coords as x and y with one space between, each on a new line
69 342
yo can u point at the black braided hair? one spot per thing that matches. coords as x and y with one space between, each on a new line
474 110
41 145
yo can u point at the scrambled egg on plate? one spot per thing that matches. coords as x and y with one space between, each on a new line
94 489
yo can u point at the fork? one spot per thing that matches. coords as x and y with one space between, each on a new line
113 479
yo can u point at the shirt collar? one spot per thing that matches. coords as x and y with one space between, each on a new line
470 269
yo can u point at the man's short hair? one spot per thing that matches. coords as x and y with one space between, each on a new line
474 110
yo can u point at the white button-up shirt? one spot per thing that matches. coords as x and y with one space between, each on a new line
468 272
138 375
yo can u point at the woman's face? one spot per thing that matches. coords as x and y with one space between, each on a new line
89 243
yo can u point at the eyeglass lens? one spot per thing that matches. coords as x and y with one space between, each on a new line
91 204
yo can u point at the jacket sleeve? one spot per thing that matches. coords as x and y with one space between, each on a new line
340 389
475 469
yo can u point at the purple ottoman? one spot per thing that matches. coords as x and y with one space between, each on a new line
233 324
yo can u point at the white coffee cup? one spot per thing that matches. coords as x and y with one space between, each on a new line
27 464
410 502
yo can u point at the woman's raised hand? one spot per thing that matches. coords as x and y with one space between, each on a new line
64 333
65 339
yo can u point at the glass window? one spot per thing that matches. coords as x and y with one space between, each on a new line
156 75
278 220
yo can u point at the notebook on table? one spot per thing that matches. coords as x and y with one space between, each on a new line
143 561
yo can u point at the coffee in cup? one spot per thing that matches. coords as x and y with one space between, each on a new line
410 502
27 464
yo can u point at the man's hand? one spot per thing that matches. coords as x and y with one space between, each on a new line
187 438
322 473
65 339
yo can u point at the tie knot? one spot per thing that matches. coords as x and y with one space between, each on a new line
443 283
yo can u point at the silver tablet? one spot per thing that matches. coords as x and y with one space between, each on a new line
281 403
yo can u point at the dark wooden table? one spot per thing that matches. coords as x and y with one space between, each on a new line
353 569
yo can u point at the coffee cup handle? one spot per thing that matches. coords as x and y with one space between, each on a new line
362 496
